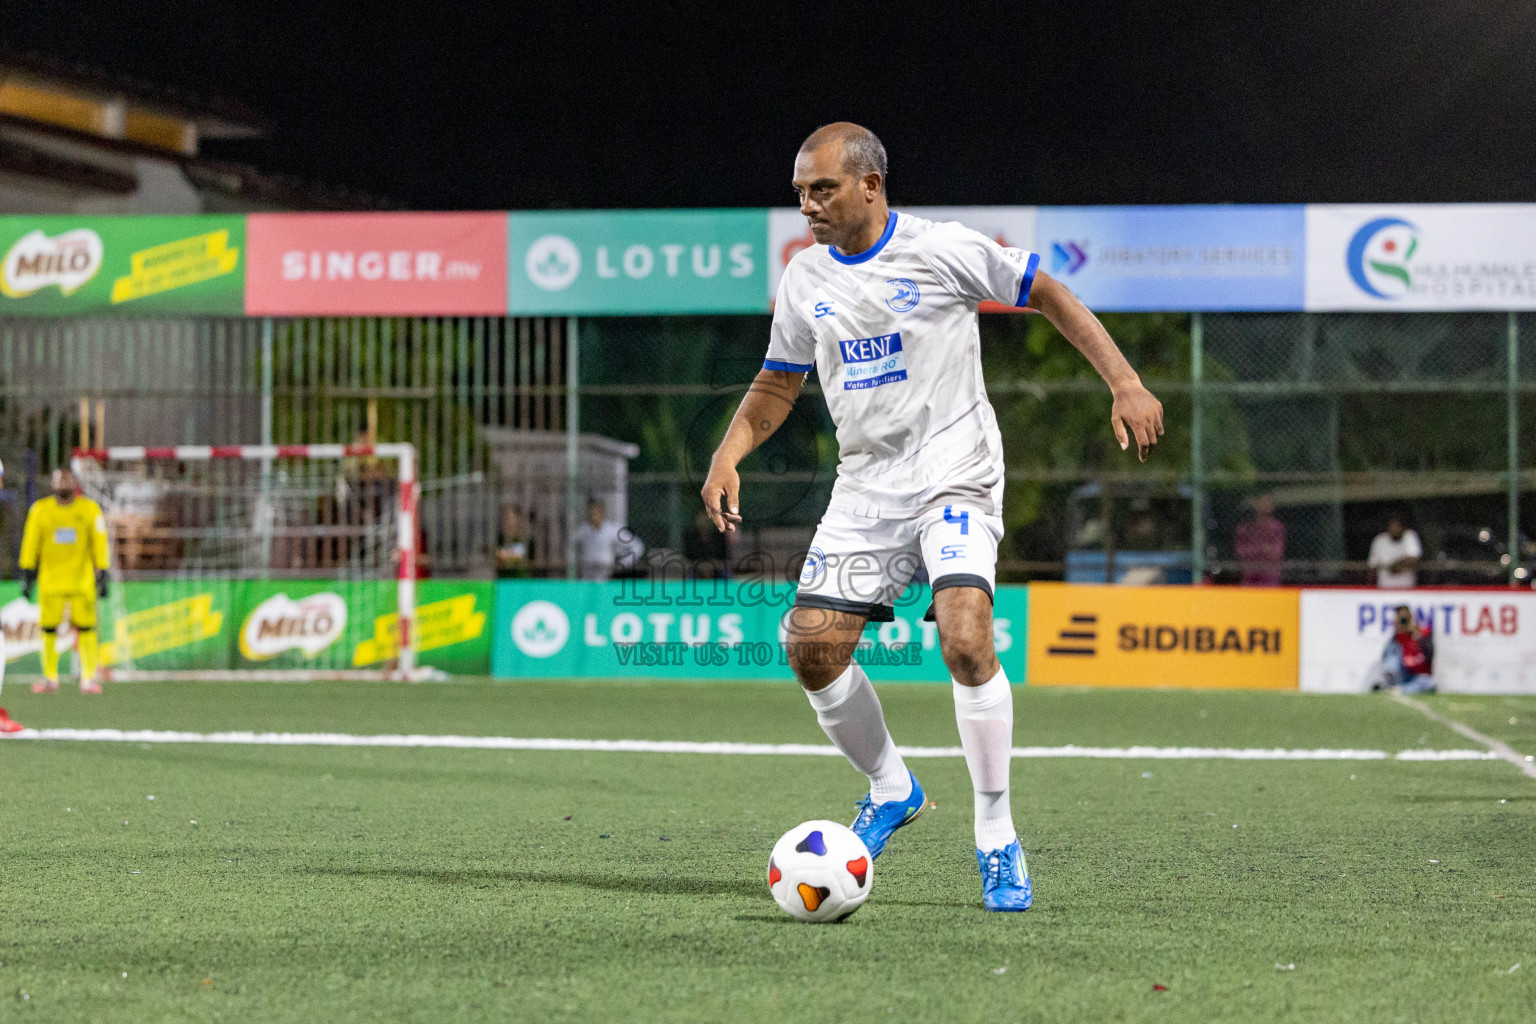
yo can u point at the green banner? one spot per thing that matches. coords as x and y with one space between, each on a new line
452 628
170 624
293 624
630 262
706 630
79 266
214 624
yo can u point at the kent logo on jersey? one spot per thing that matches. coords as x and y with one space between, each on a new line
871 362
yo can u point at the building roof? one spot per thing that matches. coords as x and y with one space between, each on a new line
216 117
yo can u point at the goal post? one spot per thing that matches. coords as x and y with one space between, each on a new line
311 550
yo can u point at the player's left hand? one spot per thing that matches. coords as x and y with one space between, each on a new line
103 583
1138 415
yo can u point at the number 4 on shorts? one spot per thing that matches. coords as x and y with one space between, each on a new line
964 519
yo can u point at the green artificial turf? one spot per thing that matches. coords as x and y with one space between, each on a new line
336 884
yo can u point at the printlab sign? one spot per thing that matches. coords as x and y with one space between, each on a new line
1485 640
698 261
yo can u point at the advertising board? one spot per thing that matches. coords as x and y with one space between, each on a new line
377 264
136 266
625 262
1226 638
213 624
1012 226
625 629
1485 640
1421 256
1144 258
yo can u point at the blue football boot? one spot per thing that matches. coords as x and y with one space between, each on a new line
1005 878
876 822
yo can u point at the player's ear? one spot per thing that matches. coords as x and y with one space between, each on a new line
873 184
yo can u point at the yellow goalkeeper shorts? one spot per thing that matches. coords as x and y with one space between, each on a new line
82 609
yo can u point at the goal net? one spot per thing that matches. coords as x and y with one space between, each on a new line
263 562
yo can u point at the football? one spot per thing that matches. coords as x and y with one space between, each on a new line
820 871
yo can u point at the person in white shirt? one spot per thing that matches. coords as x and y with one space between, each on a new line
883 307
1395 555
602 546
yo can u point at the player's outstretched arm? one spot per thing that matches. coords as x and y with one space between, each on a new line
1136 413
763 410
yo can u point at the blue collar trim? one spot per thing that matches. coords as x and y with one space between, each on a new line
872 251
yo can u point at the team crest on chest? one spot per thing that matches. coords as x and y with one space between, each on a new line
904 295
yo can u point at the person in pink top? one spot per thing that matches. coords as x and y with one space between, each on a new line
1260 545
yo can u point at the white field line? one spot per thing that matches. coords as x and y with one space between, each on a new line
338 739
1496 748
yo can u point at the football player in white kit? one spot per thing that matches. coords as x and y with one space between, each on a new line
884 308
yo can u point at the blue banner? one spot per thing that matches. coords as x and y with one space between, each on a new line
1179 258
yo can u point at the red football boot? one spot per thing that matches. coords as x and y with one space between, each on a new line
6 725
89 686
45 687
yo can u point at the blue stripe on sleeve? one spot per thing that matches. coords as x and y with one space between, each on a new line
1029 278
783 367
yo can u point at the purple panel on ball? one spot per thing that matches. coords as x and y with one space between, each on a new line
813 843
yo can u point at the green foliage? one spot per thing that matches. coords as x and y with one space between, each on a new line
326 372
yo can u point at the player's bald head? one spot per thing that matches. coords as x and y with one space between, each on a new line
862 152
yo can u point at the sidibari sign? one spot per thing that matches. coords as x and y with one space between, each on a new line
621 262
1162 636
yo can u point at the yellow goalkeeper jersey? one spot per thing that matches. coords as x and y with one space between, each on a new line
66 544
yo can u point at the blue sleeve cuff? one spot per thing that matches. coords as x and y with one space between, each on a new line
783 367
1029 278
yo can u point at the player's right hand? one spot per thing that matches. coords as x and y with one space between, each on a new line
1137 416
723 485
27 579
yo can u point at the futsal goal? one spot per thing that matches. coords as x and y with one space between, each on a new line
276 562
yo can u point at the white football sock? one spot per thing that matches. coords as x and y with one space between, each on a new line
850 715
985 716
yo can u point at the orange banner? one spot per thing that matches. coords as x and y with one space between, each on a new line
1196 637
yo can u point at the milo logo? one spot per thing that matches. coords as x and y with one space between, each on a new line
278 624
36 261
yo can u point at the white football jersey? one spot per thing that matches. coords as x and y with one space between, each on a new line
892 333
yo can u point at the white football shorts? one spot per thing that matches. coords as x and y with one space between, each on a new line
863 565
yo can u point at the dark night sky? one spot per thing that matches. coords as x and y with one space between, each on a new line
574 105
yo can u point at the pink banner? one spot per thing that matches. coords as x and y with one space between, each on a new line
376 264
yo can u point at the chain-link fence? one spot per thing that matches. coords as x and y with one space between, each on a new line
1291 438
446 385
1349 420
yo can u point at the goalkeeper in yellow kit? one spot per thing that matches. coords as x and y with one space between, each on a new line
64 553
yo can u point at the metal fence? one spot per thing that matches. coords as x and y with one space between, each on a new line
433 382
1335 420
